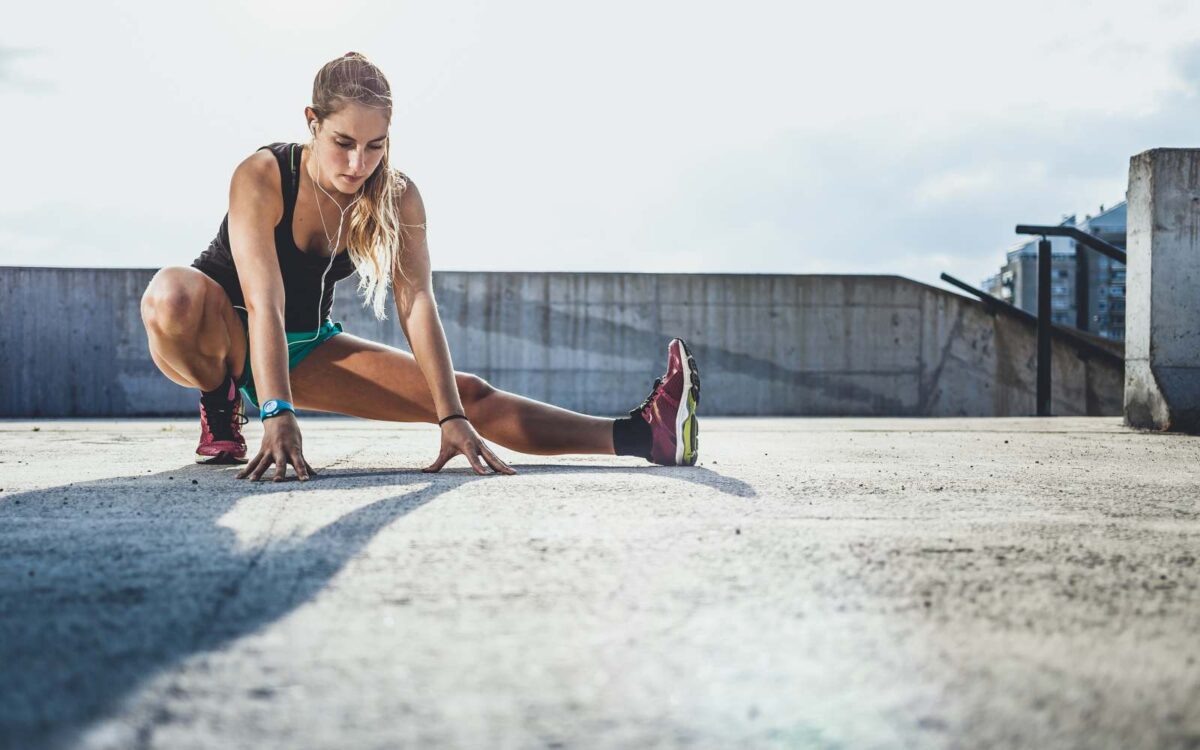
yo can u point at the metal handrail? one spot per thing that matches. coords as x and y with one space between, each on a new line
1012 310
1080 236
1044 326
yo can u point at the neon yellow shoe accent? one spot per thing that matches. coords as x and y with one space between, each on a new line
690 429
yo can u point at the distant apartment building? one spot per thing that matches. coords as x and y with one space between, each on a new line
1097 305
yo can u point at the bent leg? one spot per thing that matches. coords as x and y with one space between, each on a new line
350 375
195 336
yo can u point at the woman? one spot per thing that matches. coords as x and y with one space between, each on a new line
251 313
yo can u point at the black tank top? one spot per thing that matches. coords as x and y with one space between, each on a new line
301 271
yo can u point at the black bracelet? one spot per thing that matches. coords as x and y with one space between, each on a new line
444 420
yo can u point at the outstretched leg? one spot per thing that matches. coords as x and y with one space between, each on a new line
351 375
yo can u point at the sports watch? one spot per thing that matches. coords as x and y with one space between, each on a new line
274 408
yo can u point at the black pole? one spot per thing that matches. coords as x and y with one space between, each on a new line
1043 329
1082 303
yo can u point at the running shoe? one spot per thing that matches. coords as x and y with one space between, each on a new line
221 440
670 409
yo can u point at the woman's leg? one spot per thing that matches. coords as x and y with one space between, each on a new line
350 375
194 333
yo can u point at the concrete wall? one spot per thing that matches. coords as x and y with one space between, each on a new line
1162 385
73 344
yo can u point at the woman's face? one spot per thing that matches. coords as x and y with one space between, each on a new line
349 145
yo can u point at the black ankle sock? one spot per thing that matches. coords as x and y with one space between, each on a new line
220 394
631 437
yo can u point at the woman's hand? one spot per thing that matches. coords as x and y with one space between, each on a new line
458 436
280 446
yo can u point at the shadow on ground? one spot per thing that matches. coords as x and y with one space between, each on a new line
105 584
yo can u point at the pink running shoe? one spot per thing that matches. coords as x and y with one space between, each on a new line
670 409
221 440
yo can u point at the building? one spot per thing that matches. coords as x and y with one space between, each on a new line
1106 277
1097 304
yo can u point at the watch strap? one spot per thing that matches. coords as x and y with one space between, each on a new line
274 408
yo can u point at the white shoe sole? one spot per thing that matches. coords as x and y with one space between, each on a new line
685 417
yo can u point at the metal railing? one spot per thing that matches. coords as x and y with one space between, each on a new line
1060 332
1080 236
1045 328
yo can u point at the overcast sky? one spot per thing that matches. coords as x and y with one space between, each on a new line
780 137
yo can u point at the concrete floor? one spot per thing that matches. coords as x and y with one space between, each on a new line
853 583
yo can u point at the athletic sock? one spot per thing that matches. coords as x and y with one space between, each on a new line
631 437
219 396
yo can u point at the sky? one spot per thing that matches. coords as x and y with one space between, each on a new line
648 136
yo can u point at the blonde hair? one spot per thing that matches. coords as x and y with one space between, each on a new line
375 234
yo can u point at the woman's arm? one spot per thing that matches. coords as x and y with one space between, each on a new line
255 207
417 308
418 316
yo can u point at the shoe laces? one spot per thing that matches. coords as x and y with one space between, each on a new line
226 418
650 397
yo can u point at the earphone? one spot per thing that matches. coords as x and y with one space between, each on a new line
312 127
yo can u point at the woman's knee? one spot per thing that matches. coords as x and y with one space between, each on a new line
173 301
472 388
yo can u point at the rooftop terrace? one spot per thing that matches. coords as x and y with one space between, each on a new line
863 582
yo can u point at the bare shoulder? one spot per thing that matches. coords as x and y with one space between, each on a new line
255 188
259 166
412 207
414 271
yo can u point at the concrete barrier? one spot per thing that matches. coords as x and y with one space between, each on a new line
73 344
1162 331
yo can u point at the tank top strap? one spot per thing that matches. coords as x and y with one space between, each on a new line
288 157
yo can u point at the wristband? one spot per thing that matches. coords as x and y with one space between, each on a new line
274 408
444 420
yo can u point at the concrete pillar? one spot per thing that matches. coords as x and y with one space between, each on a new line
1162 308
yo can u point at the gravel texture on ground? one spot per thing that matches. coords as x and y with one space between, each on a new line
826 583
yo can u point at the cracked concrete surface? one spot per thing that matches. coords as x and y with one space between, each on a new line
841 583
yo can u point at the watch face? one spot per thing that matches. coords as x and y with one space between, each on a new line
270 405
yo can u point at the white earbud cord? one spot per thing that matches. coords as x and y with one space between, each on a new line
333 245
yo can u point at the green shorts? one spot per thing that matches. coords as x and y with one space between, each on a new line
299 347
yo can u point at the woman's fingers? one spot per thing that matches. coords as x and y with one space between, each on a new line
263 461
495 462
280 458
474 451
250 466
263 465
472 454
280 464
437 465
301 466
